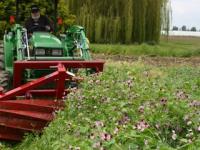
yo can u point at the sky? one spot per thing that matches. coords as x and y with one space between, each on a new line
186 12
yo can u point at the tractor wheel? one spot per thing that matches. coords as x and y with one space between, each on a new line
4 75
4 80
1 57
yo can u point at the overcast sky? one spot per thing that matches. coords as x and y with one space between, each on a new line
186 12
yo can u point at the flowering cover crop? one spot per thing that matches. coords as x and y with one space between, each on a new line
128 106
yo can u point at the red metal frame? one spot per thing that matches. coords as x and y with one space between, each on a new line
20 116
60 90
58 76
20 66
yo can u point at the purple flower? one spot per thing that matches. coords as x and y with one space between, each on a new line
181 95
142 125
105 137
125 119
163 101
99 124
141 109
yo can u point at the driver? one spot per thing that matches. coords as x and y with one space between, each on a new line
38 22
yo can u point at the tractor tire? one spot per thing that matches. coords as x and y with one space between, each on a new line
1 57
4 75
4 80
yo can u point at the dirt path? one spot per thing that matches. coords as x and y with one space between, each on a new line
159 61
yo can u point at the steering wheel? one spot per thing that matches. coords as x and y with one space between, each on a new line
37 28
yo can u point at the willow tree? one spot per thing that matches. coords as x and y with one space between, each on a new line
113 21
118 21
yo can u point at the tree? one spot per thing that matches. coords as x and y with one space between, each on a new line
113 21
175 28
184 28
193 29
122 21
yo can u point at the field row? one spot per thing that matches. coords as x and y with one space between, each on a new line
171 47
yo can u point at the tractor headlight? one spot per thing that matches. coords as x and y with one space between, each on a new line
40 52
57 52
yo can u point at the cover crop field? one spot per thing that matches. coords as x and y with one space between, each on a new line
129 106
168 47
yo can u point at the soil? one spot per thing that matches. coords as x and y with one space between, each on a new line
158 61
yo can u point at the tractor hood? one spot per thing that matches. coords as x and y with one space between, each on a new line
45 40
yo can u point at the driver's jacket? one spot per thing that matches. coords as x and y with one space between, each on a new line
39 25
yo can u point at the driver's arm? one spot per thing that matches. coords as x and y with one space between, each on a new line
28 25
48 24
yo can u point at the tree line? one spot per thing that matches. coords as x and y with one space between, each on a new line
106 21
184 28
122 21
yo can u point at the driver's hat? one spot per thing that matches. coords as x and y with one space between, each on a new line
35 9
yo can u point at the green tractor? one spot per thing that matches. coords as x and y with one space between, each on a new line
42 46
36 74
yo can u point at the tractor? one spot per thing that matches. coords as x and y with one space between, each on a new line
37 73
